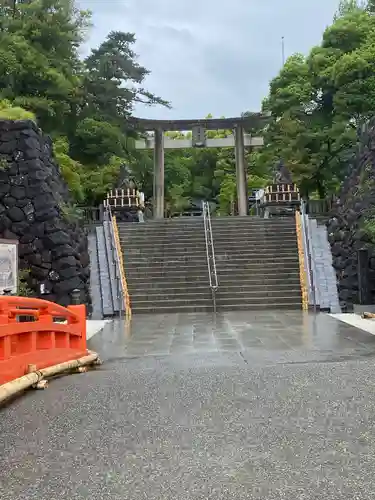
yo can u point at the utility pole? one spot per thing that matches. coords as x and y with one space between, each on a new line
283 50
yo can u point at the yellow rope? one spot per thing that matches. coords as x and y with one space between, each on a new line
301 258
124 284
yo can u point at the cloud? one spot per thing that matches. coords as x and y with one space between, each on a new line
211 56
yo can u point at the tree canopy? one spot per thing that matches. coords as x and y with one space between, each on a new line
317 102
83 104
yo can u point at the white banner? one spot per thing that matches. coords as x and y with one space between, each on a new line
8 266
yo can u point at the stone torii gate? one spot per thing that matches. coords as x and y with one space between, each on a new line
239 140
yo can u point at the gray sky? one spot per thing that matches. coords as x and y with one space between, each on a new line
211 56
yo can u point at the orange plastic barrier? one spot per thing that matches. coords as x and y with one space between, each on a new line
53 335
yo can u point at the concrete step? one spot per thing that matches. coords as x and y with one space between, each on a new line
207 305
249 269
250 294
240 241
255 254
225 278
223 219
235 274
222 294
215 221
229 233
187 245
266 258
243 235
242 221
198 226
200 232
200 247
253 257
174 268
232 307
201 258
202 286
162 282
149 249
177 305
198 236
143 230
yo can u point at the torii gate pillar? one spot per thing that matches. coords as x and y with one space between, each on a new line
159 174
241 177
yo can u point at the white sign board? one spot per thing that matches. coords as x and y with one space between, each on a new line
8 266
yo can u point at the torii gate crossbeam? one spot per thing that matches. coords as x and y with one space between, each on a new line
239 140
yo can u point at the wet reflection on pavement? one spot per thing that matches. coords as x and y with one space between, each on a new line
274 336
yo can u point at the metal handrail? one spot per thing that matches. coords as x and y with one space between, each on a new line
210 252
308 253
302 263
124 284
108 217
122 293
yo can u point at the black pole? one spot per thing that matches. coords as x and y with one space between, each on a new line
364 295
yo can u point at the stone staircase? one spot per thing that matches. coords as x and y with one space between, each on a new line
166 266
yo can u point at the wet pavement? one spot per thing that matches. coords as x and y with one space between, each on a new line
238 406
274 337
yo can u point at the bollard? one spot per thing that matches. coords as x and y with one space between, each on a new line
76 297
364 295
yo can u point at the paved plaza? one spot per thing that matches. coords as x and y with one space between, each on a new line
234 406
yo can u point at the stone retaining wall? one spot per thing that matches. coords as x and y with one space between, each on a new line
33 210
347 225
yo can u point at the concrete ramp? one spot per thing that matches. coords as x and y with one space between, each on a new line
96 296
105 283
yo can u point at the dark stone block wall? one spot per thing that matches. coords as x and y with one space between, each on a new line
33 210
347 231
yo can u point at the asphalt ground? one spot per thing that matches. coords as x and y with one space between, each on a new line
233 406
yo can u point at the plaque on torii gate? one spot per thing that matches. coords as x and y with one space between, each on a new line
198 136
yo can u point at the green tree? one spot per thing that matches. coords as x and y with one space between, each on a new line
95 142
39 64
10 112
71 170
348 6
83 105
98 180
318 101
113 80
